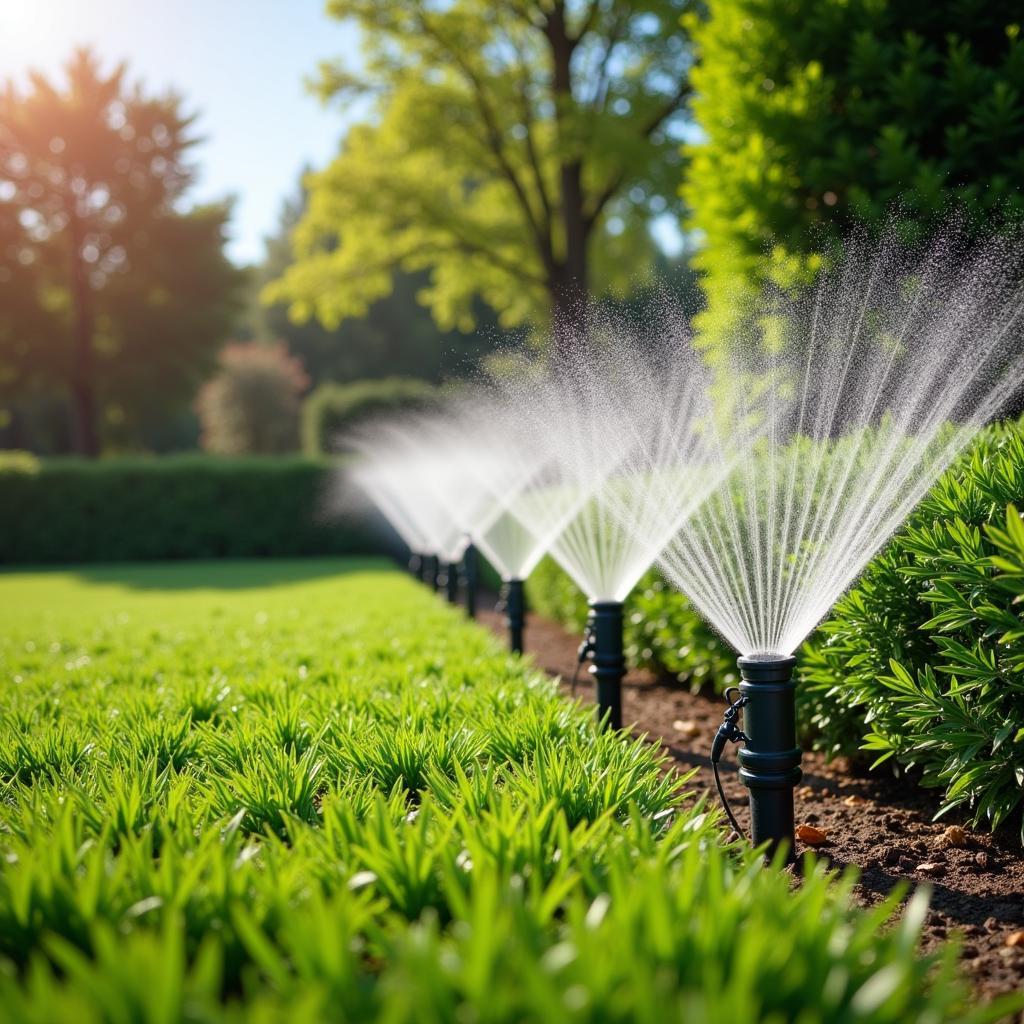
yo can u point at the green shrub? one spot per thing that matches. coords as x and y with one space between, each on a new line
67 510
815 114
550 592
13 459
331 798
250 406
331 409
925 654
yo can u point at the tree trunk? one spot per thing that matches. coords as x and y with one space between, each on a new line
568 287
569 307
84 436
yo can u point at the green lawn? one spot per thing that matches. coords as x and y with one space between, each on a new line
311 791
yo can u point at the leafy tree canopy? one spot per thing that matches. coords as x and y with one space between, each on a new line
816 113
396 336
518 149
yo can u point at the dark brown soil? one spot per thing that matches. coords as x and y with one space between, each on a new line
876 821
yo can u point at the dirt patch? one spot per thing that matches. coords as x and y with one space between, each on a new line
880 823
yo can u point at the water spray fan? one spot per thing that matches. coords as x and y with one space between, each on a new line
865 388
479 474
626 421
391 472
371 477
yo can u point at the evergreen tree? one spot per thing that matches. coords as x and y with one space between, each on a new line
119 299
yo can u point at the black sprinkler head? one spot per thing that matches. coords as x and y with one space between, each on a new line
608 662
431 571
513 603
770 757
469 578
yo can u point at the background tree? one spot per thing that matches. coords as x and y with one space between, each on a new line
251 405
122 298
819 113
28 357
518 150
396 336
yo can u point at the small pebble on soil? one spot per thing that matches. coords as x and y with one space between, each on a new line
811 835
954 836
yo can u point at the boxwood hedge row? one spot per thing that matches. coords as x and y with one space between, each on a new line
69 510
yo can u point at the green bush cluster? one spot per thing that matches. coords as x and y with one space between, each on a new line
818 113
924 657
190 506
331 409
229 797
919 663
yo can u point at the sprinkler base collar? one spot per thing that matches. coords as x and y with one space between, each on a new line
770 758
608 662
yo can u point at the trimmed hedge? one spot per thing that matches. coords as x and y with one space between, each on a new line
332 409
194 506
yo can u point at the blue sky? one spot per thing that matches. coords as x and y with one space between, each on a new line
239 63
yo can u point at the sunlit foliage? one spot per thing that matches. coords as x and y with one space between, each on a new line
818 112
113 295
517 150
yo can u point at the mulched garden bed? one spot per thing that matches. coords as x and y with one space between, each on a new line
876 821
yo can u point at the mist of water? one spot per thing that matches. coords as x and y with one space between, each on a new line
624 420
374 479
396 471
448 477
471 455
866 388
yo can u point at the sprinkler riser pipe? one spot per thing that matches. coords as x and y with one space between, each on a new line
431 571
770 757
469 578
416 566
451 582
515 613
608 661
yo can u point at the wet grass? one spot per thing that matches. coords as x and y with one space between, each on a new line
290 790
